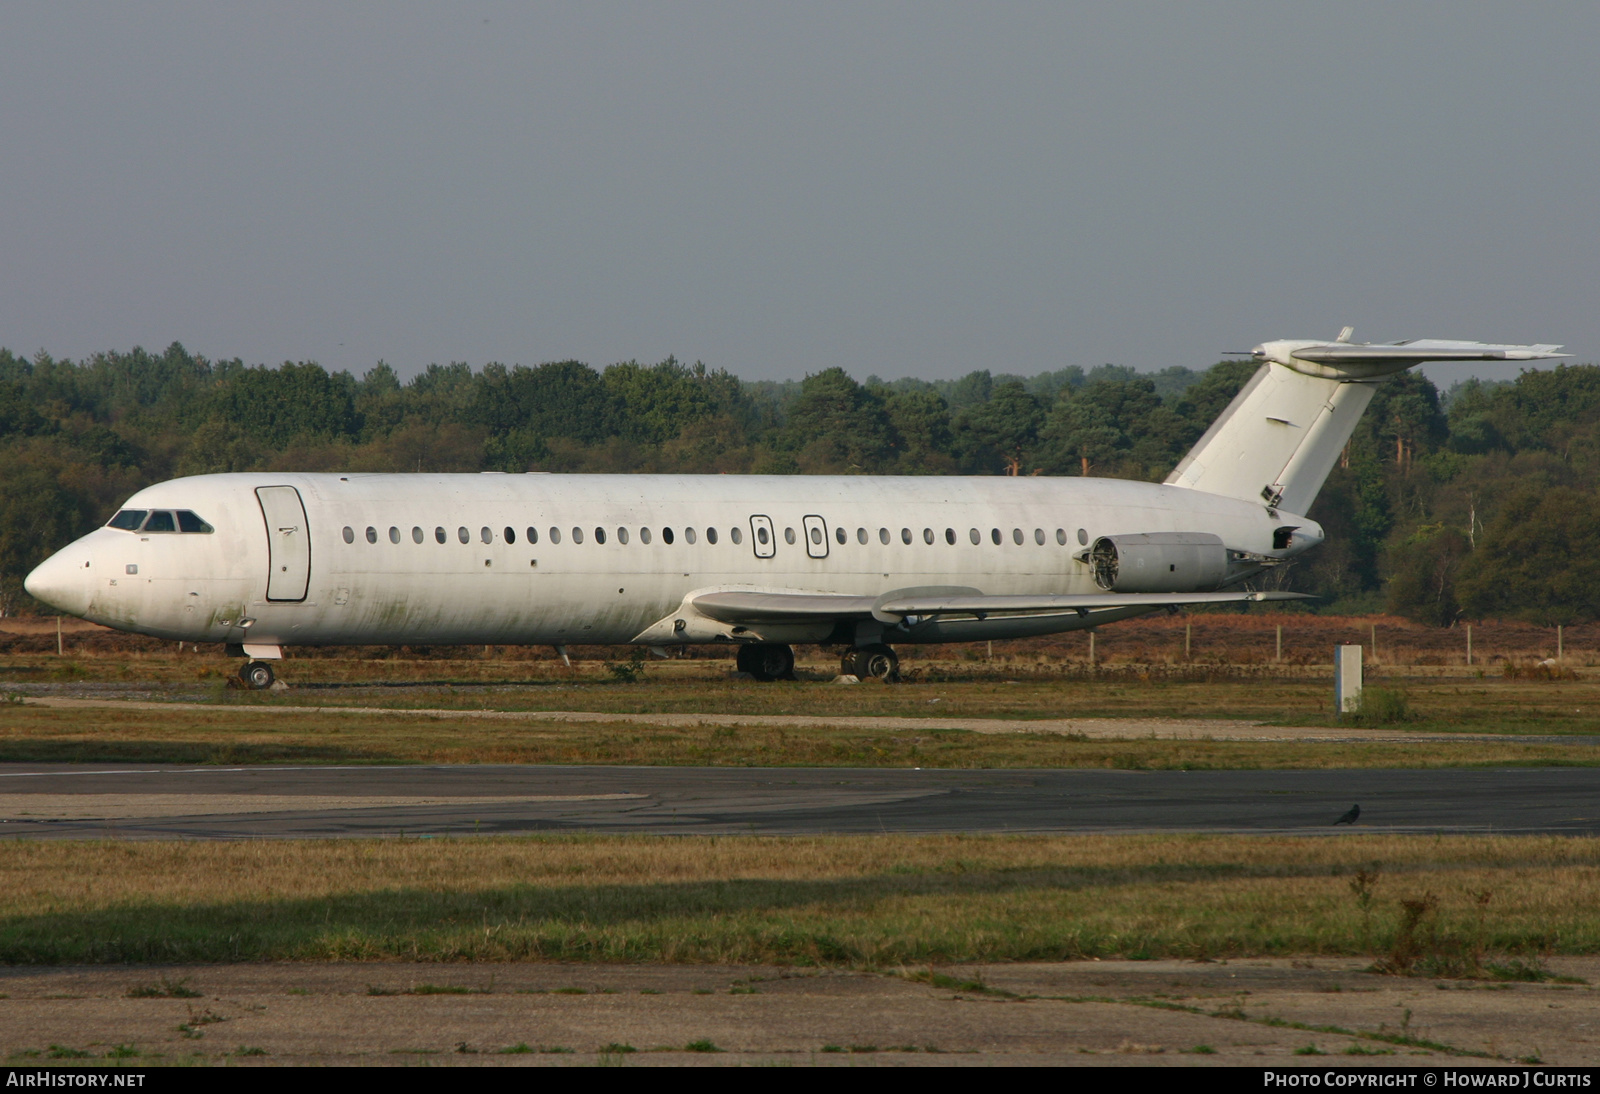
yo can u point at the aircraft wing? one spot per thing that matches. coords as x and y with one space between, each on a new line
1417 350
771 607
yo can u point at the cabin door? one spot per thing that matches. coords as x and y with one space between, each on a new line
288 542
761 537
816 537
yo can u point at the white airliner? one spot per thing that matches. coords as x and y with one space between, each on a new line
264 561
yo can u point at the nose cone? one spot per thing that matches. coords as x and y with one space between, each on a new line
63 582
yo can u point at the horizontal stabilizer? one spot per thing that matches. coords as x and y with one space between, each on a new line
1419 350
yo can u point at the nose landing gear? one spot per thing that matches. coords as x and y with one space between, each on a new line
877 662
766 661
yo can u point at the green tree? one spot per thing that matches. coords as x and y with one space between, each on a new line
1539 560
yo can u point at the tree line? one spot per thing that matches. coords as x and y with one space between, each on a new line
1475 504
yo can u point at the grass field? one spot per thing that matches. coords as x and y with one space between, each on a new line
875 902
187 736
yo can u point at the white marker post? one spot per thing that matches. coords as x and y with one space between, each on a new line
1346 679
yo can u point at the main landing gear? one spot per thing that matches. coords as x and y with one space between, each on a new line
766 661
871 663
257 675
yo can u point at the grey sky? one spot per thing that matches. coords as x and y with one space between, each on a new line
907 189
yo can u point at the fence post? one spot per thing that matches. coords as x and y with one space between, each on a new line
1559 652
1091 648
1374 643
1188 636
1280 642
1346 679
1469 645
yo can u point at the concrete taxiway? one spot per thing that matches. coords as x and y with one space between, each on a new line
138 801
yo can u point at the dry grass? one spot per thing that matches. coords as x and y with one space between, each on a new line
43 735
869 901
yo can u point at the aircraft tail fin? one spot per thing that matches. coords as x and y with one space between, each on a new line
1278 440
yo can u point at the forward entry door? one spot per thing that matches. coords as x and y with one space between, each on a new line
288 542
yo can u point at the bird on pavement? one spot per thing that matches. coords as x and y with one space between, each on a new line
1350 816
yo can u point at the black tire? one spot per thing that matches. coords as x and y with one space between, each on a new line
257 675
767 661
875 663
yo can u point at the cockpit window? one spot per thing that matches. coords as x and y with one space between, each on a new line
160 520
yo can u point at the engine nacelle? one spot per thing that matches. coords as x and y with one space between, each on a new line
1159 562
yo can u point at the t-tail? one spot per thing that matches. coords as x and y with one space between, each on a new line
1278 440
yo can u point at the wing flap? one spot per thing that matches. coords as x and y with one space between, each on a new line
768 607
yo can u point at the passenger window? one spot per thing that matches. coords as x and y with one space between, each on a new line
883 535
485 535
511 535
416 534
463 535
349 534
975 536
711 535
666 536
688 534
1038 536
950 536
1083 538
555 535
599 535
1016 536
128 519
160 521
577 535
761 536
533 534
736 535
394 534
372 534
816 535
438 534
1061 536
622 535
841 535
861 535
994 534
191 522
644 535
788 535
927 535
905 535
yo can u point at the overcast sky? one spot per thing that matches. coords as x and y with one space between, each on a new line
914 189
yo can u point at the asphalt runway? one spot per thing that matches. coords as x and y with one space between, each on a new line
137 801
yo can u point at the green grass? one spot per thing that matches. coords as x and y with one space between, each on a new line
890 902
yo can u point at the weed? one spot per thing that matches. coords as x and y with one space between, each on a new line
465 1049
121 1052
62 1052
702 1045
1382 707
249 1050
558 1050
616 1049
521 1048
630 671
444 989
1200 1050
832 1048
1363 1050
1309 1050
